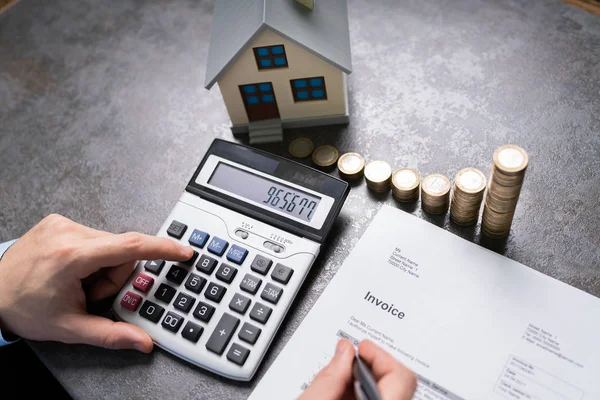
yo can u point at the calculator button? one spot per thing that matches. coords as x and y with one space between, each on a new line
165 293
151 311
226 273
237 354
172 321
176 274
260 313
131 301
143 282
222 334
237 254
214 292
271 293
281 273
261 264
217 246
195 283
192 331
239 303
198 238
249 333
154 266
204 312
176 229
206 264
250 284
184 302
191 260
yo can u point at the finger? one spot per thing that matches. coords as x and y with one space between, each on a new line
111 281
334 380
102 332
118 249
394 380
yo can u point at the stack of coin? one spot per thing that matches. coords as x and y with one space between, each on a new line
467 195
378 175
405 185
351 166
301 147
325 156
435 194
506 180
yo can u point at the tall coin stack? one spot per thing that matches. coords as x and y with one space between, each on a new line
467 195
506 180
435 194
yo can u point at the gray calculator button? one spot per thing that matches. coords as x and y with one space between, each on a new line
176 229
281 273
206 264
239 303
154 266
222 334
172 321
250 284
261 264
249 333
271 293
260 313
184 302
226 273
237 354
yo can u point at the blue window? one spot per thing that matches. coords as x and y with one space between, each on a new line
309 89
270 57
258 94
264 87
249 89
252 99
268 98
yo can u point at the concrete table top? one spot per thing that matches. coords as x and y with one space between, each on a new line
103 118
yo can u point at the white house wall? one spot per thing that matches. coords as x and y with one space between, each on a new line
302 64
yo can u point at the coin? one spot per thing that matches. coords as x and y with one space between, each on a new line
351 166
378 175
325 156
301 147
467 195
510 159
405 185
435 194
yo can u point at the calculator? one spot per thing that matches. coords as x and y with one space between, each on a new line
256 222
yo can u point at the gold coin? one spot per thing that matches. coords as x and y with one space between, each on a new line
378 172
301 147
351 165
325 156
405 179
436 185
510 159
470 180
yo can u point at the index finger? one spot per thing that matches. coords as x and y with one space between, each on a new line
113 250
380 361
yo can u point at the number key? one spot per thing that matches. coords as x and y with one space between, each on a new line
184 302
165 293
214 292
172 321
206 264
151 311
226 273
195 283
176 274
204 311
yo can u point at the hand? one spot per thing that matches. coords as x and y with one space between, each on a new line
43 273
335 380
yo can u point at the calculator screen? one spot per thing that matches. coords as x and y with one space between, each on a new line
260 189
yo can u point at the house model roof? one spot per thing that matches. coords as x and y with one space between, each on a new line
236 23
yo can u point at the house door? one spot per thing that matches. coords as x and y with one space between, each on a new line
260 101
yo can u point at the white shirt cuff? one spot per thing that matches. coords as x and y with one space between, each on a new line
3 248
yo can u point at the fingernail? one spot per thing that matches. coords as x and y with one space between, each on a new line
139 347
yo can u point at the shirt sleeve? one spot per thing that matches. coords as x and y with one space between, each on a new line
3 248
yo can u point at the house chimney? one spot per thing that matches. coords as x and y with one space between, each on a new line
310 4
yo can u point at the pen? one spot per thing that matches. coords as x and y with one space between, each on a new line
365 385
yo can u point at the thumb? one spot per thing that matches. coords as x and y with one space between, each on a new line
102 332
334 380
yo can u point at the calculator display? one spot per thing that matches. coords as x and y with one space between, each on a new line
265 191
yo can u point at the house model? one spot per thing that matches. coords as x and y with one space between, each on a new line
280 64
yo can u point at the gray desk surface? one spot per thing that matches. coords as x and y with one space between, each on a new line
103 118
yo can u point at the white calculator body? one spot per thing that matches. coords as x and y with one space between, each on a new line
257 222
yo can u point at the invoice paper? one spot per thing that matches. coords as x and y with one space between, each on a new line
472 324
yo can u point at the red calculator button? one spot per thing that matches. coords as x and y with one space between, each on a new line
131 301
143 282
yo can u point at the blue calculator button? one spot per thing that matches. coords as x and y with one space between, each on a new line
217 246
198 238
237 254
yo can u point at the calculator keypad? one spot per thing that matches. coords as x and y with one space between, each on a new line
195 302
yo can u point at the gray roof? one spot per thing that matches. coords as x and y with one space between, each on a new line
236 23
